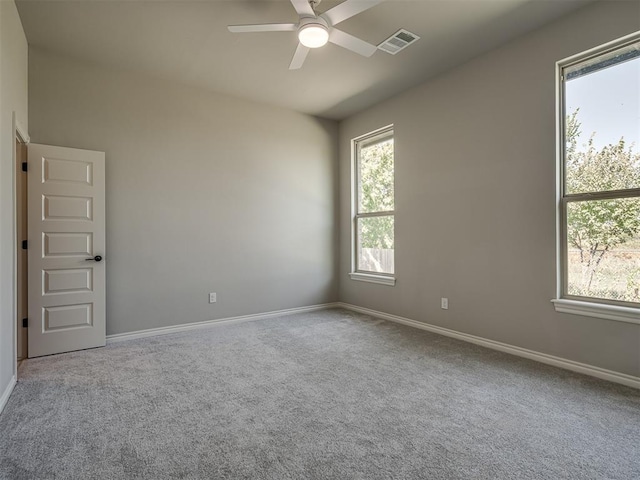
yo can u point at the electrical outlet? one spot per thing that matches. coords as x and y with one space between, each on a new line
212 297
444 303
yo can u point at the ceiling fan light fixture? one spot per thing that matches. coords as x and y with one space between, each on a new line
313 35
314 31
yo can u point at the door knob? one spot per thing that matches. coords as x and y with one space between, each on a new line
97 258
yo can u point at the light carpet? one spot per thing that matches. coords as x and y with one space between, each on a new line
323 395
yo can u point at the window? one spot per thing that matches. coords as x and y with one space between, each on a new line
599 198
373 219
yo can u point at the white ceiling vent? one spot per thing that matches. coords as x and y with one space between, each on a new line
398 41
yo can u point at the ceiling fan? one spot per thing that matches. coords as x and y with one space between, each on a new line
315 30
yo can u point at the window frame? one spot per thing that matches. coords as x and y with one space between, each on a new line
564 302
381 278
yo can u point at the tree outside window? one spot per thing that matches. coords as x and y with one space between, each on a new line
601 182
374 217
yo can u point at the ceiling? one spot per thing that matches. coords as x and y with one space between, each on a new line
187 41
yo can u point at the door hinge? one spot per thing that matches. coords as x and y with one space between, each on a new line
24 166
25 323
25 244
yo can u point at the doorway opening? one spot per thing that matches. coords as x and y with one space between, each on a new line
21 255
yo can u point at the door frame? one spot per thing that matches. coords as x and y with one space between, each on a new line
22 288
21 134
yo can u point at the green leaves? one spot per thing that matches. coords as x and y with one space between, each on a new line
376 232
376 175
596 227
376 178
597 224
587 169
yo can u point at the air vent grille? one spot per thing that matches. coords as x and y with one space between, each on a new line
398 41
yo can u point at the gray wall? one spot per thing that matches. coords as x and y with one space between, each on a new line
475 198
13 99
205 193
211 193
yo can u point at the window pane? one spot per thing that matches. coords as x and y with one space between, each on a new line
602 125
375 177
375 244
603 251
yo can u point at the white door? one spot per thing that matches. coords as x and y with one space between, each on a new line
66 215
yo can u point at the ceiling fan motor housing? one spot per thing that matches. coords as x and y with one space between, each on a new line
313 32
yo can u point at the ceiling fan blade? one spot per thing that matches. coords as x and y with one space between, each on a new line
348 9
298 57
266 27
352 43
303 7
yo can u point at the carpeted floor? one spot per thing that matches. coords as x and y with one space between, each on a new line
324 395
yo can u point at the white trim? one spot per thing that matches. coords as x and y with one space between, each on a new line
378 132
152 332
355 156
592 52
22 132
563 305
559 178
16 131
7 393
598 310
367 277
616 377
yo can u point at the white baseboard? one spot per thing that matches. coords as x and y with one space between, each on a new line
610 375
7 393
152 332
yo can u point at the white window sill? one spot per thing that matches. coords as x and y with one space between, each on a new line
379 279
598 310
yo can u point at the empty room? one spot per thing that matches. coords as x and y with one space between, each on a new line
326 239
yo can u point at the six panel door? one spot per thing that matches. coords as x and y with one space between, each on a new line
66 215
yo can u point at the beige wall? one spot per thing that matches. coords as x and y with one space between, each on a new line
13 98
205 193
475 198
